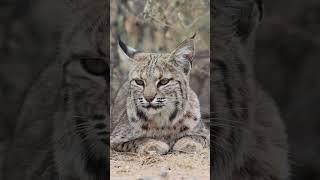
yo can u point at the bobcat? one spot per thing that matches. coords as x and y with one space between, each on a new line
248 141
62 130
156 110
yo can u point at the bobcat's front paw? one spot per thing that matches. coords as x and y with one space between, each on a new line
187 145
150 146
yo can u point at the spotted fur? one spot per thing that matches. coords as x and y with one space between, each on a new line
156 105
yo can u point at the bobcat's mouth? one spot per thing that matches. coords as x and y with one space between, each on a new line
152 106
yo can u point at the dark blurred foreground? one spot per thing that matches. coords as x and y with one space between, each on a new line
287 66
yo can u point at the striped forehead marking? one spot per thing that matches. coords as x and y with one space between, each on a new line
151 68
153 61
151 65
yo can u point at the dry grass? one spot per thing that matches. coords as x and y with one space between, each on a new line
173 166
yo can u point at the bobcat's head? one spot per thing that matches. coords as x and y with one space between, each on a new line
158 81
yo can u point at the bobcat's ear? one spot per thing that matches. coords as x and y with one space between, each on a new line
125 52
183 55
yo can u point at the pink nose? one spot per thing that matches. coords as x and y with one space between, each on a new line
149 98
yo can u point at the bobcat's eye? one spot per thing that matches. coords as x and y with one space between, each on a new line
95 66
163 81
139 82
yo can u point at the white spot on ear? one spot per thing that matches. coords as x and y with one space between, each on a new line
183 55
186 53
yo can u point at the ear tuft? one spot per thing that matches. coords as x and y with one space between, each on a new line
125 52
193 36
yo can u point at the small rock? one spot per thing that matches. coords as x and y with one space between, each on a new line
164 172
147 178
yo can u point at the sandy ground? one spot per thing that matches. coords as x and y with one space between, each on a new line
175 166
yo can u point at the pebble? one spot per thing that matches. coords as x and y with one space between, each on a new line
164 172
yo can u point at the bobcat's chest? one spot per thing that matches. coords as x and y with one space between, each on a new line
166 132
162 127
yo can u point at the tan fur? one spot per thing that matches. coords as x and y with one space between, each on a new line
173 112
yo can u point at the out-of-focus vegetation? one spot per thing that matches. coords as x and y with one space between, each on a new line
158 25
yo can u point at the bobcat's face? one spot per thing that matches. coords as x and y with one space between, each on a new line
159 81
155 84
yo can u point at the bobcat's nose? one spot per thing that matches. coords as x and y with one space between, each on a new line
149 93
149 98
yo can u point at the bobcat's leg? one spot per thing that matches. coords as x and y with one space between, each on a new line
143 146
152 145
195 140
190 144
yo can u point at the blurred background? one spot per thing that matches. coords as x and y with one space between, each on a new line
287 57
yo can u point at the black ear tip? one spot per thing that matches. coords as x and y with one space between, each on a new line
121 43
119 39
193 36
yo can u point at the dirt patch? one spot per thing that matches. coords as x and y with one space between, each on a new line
174 166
